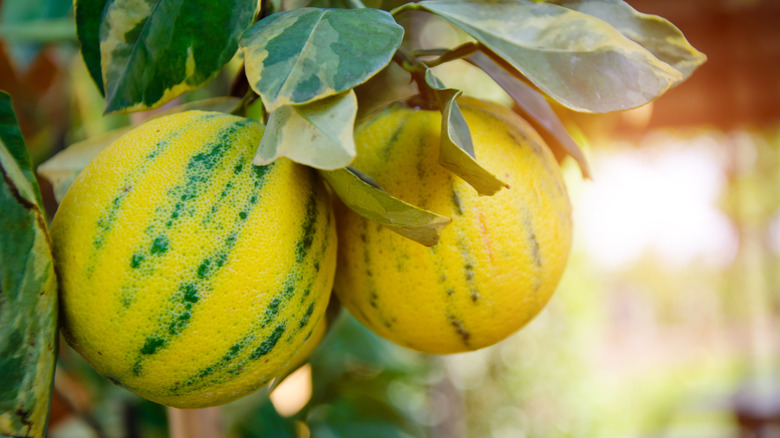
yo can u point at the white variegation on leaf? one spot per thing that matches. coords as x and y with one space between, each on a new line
153 50
581 61
318 134
299 56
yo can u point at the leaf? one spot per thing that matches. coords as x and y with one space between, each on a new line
318 134
62 169
577 59
363 196
533 107
153 50
28 299
89 14
457 150
306 54
652 32
11 136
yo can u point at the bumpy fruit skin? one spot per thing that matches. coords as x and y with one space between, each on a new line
497 263
188 275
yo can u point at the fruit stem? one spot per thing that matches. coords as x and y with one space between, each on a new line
407 60
445 55
248 99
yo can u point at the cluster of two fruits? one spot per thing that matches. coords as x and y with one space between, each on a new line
191 277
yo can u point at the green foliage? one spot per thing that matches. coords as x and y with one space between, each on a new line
577 59
363 195
534 108
152 51
300 67
28 291
457 150
655 34
318 134
88 14
299 56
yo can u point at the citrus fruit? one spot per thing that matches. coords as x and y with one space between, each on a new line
498 262
189 276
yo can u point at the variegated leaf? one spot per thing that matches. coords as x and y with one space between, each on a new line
367 199
532 105
652 32
577 59
28 297
89 14
318 134
11 136
153 50
306 54
457 150
62 169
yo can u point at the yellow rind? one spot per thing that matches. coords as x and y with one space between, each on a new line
497 263
234 299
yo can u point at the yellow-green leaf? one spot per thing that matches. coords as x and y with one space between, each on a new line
654 33
153 50
457 150
367 199
318 134
306 54
577 59
28 300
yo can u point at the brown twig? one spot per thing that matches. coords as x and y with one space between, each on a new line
195 423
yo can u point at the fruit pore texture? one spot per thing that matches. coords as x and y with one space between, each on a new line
189 276
495 266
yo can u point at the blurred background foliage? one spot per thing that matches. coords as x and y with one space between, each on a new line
665 324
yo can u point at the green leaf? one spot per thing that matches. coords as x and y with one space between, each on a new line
457 150
306 54
28 299
654 33
577 59
360 193
534 108
153 50
89 14
11 136
318 134
62 169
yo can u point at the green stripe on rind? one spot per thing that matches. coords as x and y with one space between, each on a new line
197 178
291 288
179 310
108 218
138 72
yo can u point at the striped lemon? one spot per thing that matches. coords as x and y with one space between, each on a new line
189 276
496 264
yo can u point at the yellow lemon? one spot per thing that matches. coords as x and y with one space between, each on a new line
189 276
497 263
